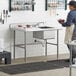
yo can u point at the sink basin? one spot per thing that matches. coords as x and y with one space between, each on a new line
45 27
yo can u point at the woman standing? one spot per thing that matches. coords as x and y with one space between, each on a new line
71 19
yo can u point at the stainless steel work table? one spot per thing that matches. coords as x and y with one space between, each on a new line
33 29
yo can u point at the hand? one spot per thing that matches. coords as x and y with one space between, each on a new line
61 21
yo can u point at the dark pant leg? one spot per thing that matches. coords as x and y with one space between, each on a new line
74 47
73 50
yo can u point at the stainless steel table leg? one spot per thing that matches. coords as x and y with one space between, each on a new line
57 44
70 62
14 45
25 47
46 49
10 41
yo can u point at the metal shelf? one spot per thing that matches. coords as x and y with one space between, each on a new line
19 5
58 4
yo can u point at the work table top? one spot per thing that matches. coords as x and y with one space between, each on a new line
34 29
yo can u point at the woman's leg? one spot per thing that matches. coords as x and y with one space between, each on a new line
73 50
74 47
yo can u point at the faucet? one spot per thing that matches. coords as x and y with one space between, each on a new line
40 23
37 24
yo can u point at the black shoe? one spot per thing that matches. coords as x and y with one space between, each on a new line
73 62
67 60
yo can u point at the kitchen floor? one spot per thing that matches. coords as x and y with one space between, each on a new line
50 68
